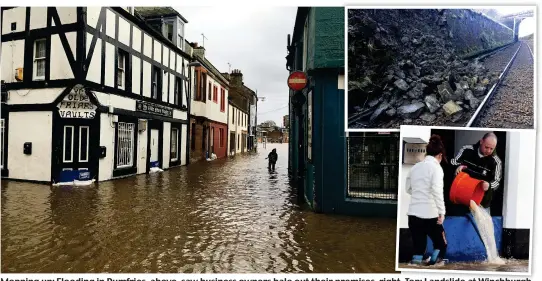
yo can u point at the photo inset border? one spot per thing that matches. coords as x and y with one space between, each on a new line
407 74
506 160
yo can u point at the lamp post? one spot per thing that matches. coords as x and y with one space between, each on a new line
188 100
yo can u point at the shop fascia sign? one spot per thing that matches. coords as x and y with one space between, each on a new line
76 104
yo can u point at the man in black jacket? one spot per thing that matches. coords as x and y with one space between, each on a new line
481 163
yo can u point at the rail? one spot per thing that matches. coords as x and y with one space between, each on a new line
493 89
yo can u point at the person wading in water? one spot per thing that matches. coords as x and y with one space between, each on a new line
273 156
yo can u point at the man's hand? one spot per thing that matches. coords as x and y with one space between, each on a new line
485 185
440 219
459 169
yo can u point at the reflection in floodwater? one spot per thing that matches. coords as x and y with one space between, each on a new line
228 215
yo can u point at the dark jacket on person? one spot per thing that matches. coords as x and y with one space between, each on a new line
486 168
273 156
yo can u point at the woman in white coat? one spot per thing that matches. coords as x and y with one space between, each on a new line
426 210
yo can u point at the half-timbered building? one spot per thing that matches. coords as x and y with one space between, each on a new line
92 93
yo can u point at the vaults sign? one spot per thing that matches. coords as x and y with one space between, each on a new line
76 104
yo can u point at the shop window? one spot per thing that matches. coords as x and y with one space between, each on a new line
174 152
125 144
39 59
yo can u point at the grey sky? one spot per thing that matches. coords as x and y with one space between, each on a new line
252 39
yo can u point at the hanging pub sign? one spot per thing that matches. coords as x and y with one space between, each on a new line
151 108
76 104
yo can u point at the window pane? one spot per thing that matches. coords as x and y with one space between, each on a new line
120 76
83 148
169 28
40 49
120 62
68 143
40 67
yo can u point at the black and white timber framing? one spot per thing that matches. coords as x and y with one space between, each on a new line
71 116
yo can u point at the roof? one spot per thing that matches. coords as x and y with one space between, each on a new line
158 12
207 64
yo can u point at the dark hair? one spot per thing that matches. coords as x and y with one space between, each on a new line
435 147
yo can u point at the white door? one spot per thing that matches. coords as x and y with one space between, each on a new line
154 145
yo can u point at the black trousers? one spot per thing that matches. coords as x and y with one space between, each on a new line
271 165
420 229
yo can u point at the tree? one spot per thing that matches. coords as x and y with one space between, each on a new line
269 123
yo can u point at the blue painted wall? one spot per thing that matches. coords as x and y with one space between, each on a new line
464 242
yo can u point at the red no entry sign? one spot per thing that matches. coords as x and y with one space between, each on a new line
297 80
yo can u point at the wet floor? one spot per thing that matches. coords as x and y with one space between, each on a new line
210 217
511 265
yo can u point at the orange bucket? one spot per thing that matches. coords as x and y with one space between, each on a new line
464 188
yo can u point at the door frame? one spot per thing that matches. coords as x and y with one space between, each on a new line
58 138
179 127
158 125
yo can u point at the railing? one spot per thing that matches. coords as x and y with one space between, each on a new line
373 165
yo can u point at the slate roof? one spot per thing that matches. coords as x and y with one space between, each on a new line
157 12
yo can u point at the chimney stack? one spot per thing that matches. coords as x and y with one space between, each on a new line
198 50
237 77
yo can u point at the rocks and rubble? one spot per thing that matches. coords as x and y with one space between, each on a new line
409 75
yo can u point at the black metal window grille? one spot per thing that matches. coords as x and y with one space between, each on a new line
373 165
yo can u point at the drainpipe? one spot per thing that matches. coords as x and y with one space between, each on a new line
189 102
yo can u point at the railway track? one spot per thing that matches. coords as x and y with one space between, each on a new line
510 102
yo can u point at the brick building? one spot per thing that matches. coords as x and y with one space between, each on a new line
243 99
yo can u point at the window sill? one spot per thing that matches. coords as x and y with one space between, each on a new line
118 172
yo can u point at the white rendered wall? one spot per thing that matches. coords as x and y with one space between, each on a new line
519 181
107 139
166 145
36 166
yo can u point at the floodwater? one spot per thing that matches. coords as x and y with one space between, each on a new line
228 215
511 265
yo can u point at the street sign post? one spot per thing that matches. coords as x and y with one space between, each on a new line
297 80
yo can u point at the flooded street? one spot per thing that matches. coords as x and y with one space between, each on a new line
228 215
